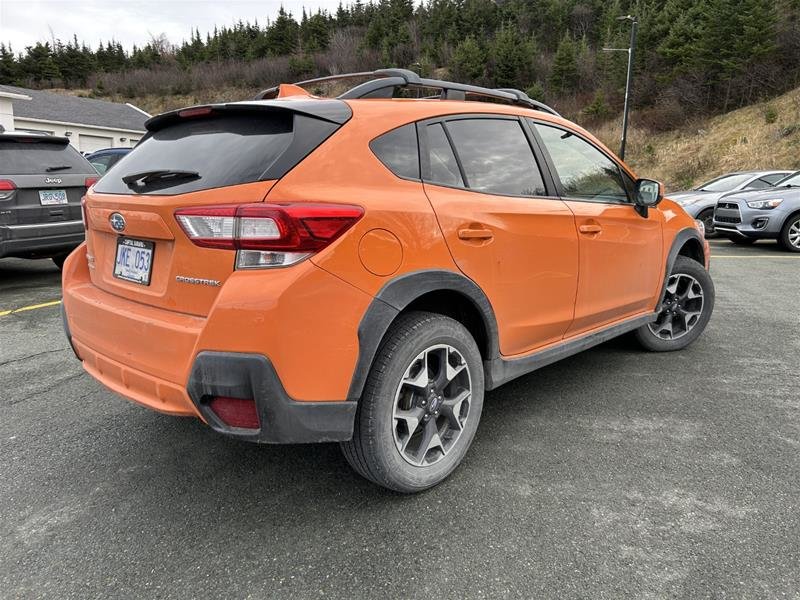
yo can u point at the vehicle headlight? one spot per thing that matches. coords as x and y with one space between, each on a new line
765 204
701 227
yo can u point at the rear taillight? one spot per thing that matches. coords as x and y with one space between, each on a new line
268 235
84 214
90 181
7 188
235 412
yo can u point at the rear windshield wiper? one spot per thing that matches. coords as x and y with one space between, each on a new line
58 168
159 175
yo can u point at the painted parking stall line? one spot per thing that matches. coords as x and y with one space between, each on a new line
12 311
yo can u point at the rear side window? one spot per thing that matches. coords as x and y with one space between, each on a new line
221 150
496 157
39 158
398 150
585 172
443 165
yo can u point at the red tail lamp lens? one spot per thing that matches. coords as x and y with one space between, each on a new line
90 181
236 412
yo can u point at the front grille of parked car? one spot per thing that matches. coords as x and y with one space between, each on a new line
727 212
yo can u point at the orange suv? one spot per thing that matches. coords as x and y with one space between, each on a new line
362 269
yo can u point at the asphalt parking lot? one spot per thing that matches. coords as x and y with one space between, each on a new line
615 473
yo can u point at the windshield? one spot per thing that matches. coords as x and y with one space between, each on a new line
39 158
792 180
726 183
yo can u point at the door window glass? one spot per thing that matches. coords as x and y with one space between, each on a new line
496 157
585 172
443 166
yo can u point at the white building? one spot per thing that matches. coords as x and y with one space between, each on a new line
88 123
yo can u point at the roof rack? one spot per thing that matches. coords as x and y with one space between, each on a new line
384 81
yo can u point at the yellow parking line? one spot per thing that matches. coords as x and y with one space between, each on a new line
3 313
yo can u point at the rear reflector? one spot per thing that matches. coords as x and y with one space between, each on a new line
236 412
268 235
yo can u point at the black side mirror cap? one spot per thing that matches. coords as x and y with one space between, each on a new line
647 194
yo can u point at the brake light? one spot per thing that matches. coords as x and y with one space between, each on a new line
200 111
7 188
236 412
90 181
268 235
84 214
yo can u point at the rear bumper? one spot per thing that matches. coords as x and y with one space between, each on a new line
40 238
175 363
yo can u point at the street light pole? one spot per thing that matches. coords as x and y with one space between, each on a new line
630 50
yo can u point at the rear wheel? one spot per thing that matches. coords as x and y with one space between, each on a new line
685 309
790 234
741 240
421 404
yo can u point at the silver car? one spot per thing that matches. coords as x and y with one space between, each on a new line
747 216
701 201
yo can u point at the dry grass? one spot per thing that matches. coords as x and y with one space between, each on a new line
736 141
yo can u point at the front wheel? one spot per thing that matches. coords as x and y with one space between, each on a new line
685 309
790 234
421 404
707 217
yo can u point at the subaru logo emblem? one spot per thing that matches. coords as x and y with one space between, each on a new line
117 221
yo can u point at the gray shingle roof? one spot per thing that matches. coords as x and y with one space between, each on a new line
71 109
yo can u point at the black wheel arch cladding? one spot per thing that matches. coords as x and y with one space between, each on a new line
397 295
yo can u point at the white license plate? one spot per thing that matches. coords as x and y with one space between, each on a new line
52 197
134 261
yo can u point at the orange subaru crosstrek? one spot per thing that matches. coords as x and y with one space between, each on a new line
362 269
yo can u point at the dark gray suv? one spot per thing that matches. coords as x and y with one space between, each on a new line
42 181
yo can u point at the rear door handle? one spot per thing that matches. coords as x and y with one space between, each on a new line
470 233
590 228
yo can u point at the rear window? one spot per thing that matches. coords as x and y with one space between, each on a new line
38 158
220 150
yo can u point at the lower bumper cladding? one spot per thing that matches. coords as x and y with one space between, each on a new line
219 379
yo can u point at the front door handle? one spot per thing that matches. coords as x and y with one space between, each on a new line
470 233
595 228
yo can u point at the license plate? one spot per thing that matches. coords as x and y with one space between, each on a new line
52 197
134 260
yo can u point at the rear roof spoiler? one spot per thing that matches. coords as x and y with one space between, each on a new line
25 137
331 110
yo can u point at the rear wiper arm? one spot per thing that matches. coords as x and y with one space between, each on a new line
58 168
161 175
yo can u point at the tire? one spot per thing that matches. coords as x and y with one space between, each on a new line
382 448
790 234
707 217
741 240
683 316
59 260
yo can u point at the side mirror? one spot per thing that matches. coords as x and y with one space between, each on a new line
647 194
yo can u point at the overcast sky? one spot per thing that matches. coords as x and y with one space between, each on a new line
24 22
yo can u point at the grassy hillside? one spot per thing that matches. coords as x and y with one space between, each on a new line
760 136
